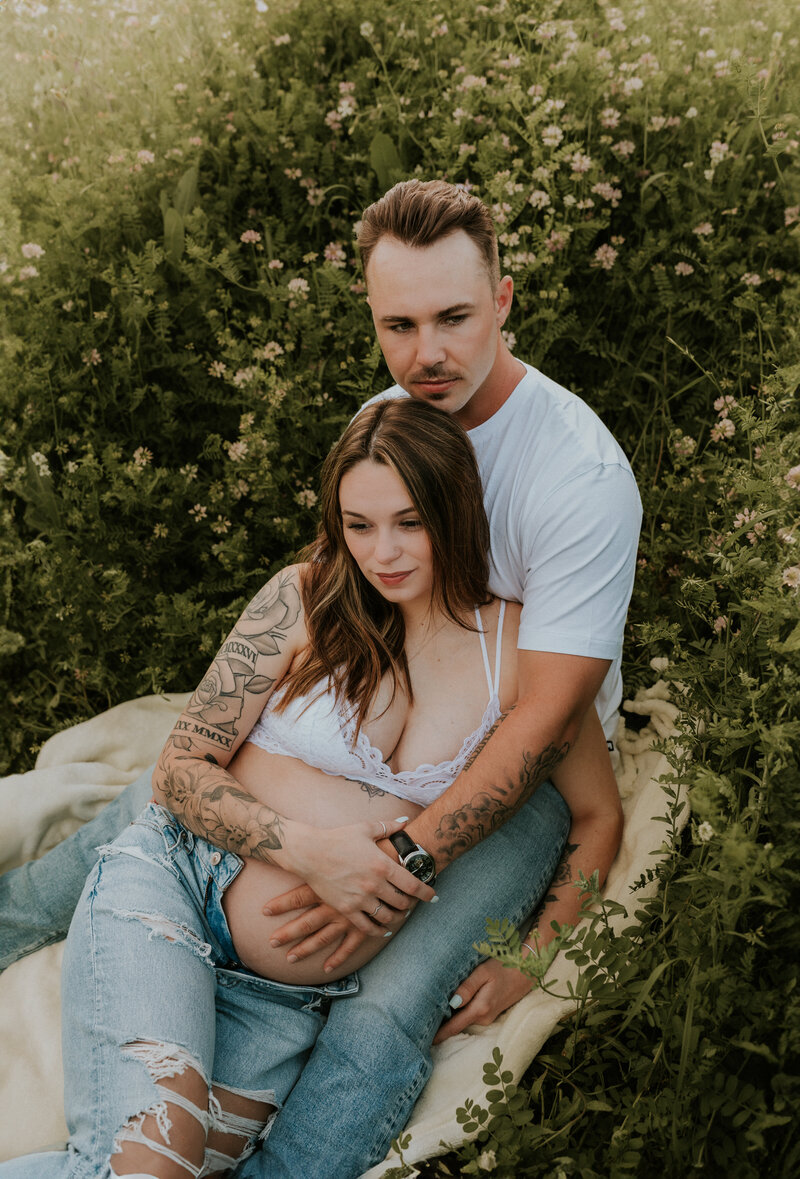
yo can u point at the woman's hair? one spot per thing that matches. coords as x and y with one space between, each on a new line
355 634
421 212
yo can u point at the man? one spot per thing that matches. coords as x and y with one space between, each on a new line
564 514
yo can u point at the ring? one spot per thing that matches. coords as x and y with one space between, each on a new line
384 827
378 906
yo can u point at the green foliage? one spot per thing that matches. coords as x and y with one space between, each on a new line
184 333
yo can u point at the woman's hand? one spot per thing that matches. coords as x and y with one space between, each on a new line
347 870
321 926
489 991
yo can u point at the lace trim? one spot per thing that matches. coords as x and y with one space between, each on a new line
370 758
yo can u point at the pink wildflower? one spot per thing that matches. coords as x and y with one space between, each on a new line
32 250
250 236
605 256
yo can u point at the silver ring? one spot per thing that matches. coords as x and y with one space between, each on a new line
378 906
384 827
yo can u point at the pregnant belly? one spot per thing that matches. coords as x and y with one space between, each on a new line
296 791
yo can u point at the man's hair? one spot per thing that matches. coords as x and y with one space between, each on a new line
421 212
355 634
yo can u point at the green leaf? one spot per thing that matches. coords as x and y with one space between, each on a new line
385 160
186 192
173 235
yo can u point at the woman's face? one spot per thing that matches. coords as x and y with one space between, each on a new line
384 534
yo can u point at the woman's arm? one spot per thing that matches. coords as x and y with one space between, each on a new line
344 865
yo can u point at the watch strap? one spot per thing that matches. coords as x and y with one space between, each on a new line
403 844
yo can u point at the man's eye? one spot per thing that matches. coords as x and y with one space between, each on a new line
399 328
455 319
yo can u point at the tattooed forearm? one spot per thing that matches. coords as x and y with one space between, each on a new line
562 875
212 804
460 830
485 741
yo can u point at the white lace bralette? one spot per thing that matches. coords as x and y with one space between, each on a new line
319 732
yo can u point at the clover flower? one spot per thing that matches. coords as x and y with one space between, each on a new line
539 199
250 236
723 430
552 135
40 463
142 456
605 256
28 272
32 250
791 577
792 477
705 832
684 268
720 624
704 229
298 286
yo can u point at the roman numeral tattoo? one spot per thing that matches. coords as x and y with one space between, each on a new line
199 791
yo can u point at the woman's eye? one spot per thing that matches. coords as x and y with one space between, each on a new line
356 527
412 523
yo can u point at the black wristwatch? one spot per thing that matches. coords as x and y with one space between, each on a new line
414 858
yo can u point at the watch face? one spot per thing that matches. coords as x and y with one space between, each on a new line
421 865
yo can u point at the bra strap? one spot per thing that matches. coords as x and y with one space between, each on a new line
498 652
484 652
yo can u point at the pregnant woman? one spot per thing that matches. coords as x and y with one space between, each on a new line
356 685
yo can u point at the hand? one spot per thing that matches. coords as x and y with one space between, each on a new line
489 991
345 867
321 925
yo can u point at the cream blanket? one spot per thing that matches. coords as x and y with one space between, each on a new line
82 768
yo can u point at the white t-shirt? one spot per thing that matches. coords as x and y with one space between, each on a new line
564 516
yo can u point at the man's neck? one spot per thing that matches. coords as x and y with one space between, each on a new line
506 373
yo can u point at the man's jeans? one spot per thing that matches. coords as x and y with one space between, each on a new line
38 899
372 1059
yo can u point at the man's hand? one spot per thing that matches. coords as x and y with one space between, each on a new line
489 991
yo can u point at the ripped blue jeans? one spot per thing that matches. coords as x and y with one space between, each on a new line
171 1047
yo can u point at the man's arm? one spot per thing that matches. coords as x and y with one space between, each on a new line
524 750
586 781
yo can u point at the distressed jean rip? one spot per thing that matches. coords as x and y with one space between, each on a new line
171 931
165 1062
226 1136
251 1131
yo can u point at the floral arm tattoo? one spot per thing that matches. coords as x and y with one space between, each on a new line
461 829
200 792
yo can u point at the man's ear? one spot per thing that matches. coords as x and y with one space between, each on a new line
503 298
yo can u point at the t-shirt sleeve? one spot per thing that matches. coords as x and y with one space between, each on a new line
580 560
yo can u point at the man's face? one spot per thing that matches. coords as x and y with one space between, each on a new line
438 323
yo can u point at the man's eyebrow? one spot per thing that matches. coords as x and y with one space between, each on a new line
448 311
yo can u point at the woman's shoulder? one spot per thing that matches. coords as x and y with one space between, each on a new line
278 605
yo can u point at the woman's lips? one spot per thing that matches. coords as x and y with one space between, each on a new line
394 578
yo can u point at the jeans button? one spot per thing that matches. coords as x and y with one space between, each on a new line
216 858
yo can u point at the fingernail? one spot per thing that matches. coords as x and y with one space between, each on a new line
456 1001
328 969
388 933
402 819
267 912
275 943
292 958
434 898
